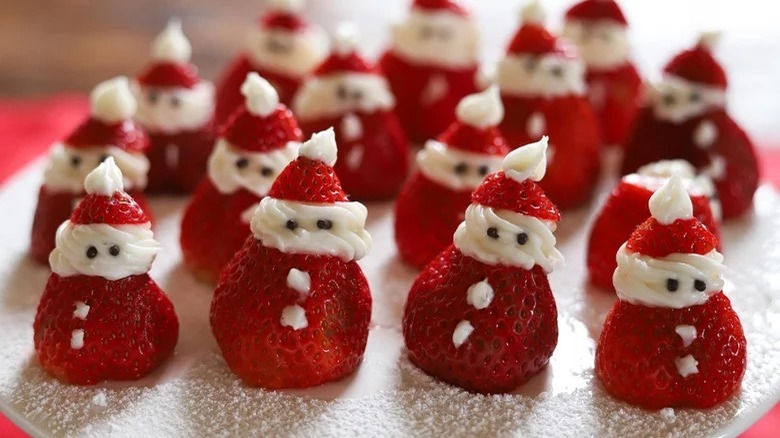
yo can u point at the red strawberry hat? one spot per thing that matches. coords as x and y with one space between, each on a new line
170 67
439 6
534 39
514 188
112 107
310 178
345 57
106 201
475 129
263 124
698 65
597 10
284 15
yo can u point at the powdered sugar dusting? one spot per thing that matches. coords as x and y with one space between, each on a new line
195 393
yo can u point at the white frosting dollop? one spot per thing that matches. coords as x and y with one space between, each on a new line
532 12
687 365
333 95
438 162
643 280
346 40
709 39
461 333
481 110
321 147
260 96
346 239
228 178
667 168
471 239
654 175
671 202
112 101
294 317
171 45
687 334
290 6
104 180
602 44
480 294
418 39
676 99
299 281
171 110
548 76
68 167
137 250
529 161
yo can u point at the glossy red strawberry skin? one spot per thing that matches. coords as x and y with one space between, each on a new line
130 329
626 209
655 239
513 337
183 176
212 229
246 318
618 106
635 357
426 216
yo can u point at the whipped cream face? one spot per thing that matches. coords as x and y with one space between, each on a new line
339 94
323 229
549 76
601 44
675 281
101 250
68 167
440 39
171 110
456 169
507 238
231 168
677 100
289 53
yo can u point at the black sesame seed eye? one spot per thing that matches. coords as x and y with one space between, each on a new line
291 224
92 252
175 101
700 285
153 97
461 168
695 97
530 64
606 37
557 71
266 171
242 163
445 33
324 224
114 250
669 99
492 232
75 161
426 32
672 285
357 95
342 92
522 238
483 170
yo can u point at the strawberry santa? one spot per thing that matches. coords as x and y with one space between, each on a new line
543 90
260 140
292 308
350 94
431 204
431 65
599 28
101 316
672 339
481 315
686 118
626 208
108 132
283 48
175 107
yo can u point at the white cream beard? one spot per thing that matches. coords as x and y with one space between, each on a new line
642 280
61 175
157 112
137 250
688 99
347 239
285 52
228 178
602 45
472 240
436 38
531 76
333 95
438 161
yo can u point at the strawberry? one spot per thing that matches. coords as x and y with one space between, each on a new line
130 328
626 209
639 345
249 303
512 338
615 96
191 150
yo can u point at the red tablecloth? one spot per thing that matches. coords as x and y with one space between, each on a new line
27 128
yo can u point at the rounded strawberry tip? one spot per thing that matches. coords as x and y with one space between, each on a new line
112 101
171 45
529 161
671 202
481 110
260 96
321 147
104 180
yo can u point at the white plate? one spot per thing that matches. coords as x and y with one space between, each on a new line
194 394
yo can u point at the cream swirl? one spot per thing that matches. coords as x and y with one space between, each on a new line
258 172
324 96
439 162
549 76
538 247
324 229
136 245
643 280
676 99
172 110
68 167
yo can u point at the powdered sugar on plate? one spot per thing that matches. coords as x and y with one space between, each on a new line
195 393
